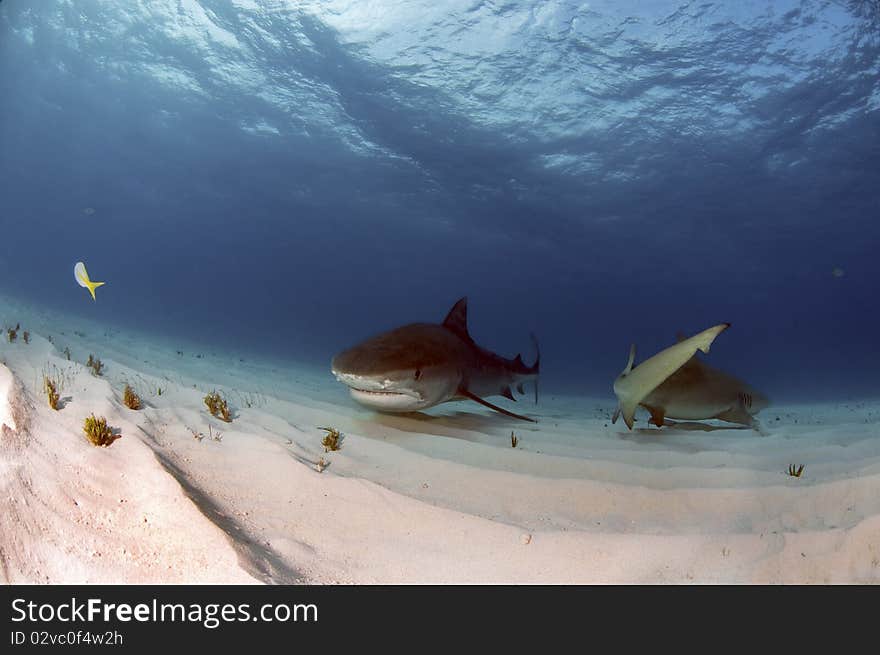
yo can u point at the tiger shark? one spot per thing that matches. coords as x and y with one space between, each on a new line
674 383
420 365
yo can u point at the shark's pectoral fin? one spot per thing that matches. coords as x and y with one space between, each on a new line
739 413
658 416
736 415
467 394
628 411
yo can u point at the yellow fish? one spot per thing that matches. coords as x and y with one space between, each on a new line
82 278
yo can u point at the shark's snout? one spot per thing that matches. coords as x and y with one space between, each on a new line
381 394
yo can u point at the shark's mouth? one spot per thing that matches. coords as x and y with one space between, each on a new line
388 401
377 394
381 393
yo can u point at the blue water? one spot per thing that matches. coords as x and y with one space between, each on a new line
290 177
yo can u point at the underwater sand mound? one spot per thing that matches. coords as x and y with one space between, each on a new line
441 496
7 382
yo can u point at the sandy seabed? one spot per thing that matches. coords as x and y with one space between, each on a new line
439 497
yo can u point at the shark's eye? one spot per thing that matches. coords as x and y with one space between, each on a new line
418 373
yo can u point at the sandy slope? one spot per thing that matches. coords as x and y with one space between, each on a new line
440 497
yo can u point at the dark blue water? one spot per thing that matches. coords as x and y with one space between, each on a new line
289 177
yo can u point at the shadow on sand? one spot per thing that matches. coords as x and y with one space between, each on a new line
653 435
466 426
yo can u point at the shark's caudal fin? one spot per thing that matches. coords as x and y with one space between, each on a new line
536 367
521 368
626 371
467 394
82 278
633 384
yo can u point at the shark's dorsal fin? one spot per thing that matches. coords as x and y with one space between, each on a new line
631 359
456 319
507 393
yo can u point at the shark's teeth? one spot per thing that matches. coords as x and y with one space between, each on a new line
380 393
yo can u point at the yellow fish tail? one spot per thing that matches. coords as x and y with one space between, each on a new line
92 286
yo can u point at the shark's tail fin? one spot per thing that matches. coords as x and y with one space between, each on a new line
536 367
519 366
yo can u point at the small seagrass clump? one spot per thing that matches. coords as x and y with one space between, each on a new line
514 440
130 398
26 336
794 471
95 364
51 391
331 441
216 404
98 432
12 334
67 352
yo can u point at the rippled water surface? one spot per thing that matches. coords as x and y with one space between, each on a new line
290 177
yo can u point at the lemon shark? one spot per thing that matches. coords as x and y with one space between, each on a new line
420 365
674 383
